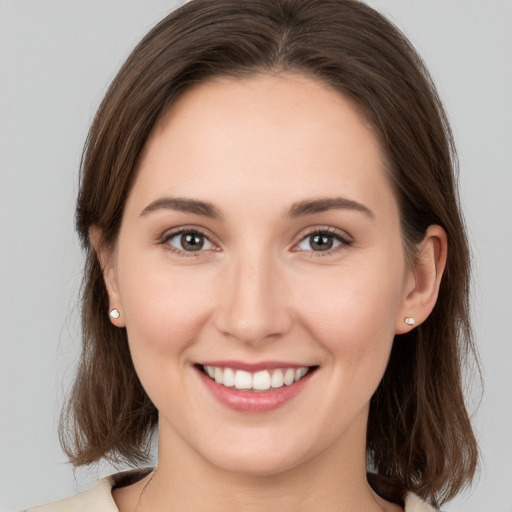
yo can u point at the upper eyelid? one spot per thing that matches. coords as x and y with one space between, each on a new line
169 233
326 229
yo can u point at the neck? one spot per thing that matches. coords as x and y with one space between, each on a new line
334 480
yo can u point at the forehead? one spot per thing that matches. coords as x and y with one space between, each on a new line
266 135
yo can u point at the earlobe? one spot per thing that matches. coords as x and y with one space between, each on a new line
426 274
106 258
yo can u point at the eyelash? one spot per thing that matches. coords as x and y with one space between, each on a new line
192 231
342 237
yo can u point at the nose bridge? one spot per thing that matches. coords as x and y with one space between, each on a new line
254 306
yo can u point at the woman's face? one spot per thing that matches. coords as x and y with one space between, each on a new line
261 240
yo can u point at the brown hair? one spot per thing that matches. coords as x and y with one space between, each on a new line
419 434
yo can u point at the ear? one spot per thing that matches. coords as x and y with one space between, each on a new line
106 257
423 280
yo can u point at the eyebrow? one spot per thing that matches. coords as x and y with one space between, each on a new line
181 204
300 209
310 207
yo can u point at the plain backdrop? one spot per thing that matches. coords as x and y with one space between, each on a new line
56 59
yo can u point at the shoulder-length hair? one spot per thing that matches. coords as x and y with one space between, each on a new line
419 433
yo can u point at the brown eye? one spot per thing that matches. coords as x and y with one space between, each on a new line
192 241
322 241
189 241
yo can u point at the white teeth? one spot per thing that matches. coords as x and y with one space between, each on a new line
277 380
258 381
243 380
299 373
261 380
289 376
229 378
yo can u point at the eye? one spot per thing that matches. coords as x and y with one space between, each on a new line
188 241
323 241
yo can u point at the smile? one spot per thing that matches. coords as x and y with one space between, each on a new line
263 380
254 388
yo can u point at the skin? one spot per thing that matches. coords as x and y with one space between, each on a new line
258 291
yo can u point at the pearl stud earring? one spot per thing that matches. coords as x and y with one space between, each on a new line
409 320
114 313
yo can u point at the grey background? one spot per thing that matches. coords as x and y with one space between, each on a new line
56 59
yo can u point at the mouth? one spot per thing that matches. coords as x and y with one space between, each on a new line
258 381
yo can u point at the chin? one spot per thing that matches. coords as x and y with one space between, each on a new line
256 459
260 466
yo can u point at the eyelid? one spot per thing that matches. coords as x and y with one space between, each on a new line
345 238
171 233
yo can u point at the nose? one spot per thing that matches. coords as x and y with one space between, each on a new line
253 307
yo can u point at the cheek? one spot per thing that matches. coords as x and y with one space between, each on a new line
355 318
164 310
165 313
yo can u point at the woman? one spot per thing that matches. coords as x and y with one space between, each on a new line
276 271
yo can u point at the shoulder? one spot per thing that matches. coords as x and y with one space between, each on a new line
415 504
394 492
98 498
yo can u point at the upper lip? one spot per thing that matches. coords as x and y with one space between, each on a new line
253 367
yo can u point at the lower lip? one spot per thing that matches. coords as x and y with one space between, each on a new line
254 402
